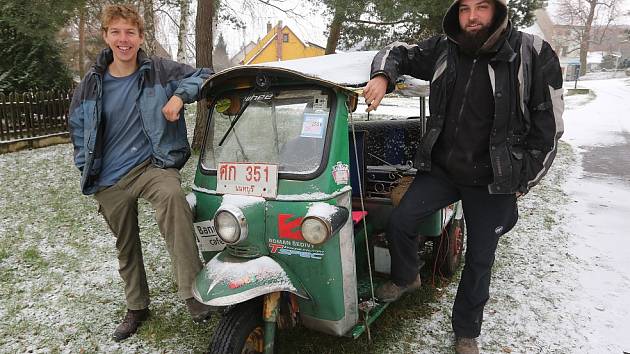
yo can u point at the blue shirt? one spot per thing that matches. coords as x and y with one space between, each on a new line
125 144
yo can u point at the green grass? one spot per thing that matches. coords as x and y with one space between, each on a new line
32 257
4 252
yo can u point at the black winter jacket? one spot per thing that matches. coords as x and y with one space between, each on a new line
526 82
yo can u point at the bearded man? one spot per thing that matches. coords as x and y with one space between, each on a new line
496 116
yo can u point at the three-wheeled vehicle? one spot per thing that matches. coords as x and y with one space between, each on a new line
291 200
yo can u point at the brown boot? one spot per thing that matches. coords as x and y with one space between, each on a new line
465 345
390 292
198 311
133 319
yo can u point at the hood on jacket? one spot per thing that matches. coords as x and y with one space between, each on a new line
451 27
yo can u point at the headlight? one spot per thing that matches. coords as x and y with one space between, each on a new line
322 220
315 230
230 224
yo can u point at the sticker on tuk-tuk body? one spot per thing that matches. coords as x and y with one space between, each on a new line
341 173
248 178
259 97
237 283
286 250
290 241
320 102
289 227
207 238
314 125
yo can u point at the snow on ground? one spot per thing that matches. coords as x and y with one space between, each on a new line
560 282
599 75
600 190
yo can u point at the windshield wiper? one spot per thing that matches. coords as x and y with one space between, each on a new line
233 123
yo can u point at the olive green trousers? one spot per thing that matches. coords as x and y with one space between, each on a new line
119 206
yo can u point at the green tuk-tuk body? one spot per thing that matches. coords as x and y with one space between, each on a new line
281 213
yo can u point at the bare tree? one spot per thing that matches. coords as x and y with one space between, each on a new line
184 14
81 40
588 22
206 16
149 26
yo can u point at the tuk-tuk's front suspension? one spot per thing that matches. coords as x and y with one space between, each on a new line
271 306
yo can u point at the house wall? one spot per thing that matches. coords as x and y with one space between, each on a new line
266 49
257 48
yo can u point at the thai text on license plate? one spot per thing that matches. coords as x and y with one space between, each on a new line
243 178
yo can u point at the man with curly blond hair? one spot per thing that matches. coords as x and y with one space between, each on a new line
130 141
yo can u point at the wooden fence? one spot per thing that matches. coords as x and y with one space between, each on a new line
33 114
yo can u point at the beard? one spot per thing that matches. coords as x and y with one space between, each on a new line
471 42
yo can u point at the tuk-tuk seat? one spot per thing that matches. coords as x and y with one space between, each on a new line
381 143
393 141
358 215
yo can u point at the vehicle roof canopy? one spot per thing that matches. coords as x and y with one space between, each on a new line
347 72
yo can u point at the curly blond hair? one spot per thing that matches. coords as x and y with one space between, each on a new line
126 12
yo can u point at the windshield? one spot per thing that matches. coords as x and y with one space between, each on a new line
286 127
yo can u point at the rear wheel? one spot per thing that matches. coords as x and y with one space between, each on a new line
240 330
449 248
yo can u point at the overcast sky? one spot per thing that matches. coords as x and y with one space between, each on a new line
306 20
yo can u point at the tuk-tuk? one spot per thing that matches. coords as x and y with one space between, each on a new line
291 200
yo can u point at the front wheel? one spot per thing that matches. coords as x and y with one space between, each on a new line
241 330
449 248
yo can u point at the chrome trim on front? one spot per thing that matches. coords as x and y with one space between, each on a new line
238 214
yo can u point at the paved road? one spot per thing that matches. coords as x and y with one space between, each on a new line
601 212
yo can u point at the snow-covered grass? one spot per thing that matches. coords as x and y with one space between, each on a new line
61 292
603 75
59 283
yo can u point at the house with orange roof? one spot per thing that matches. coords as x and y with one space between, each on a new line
281 43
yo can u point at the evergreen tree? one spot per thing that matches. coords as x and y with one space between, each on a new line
29 56
374 24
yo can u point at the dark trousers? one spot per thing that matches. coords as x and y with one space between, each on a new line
487 217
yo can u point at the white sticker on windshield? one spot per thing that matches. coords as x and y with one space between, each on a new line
314 125
320 102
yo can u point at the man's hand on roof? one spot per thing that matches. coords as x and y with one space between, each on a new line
172 108
374 92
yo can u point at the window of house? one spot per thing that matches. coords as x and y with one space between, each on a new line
285 37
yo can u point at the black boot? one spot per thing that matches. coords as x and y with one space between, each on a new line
133 319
